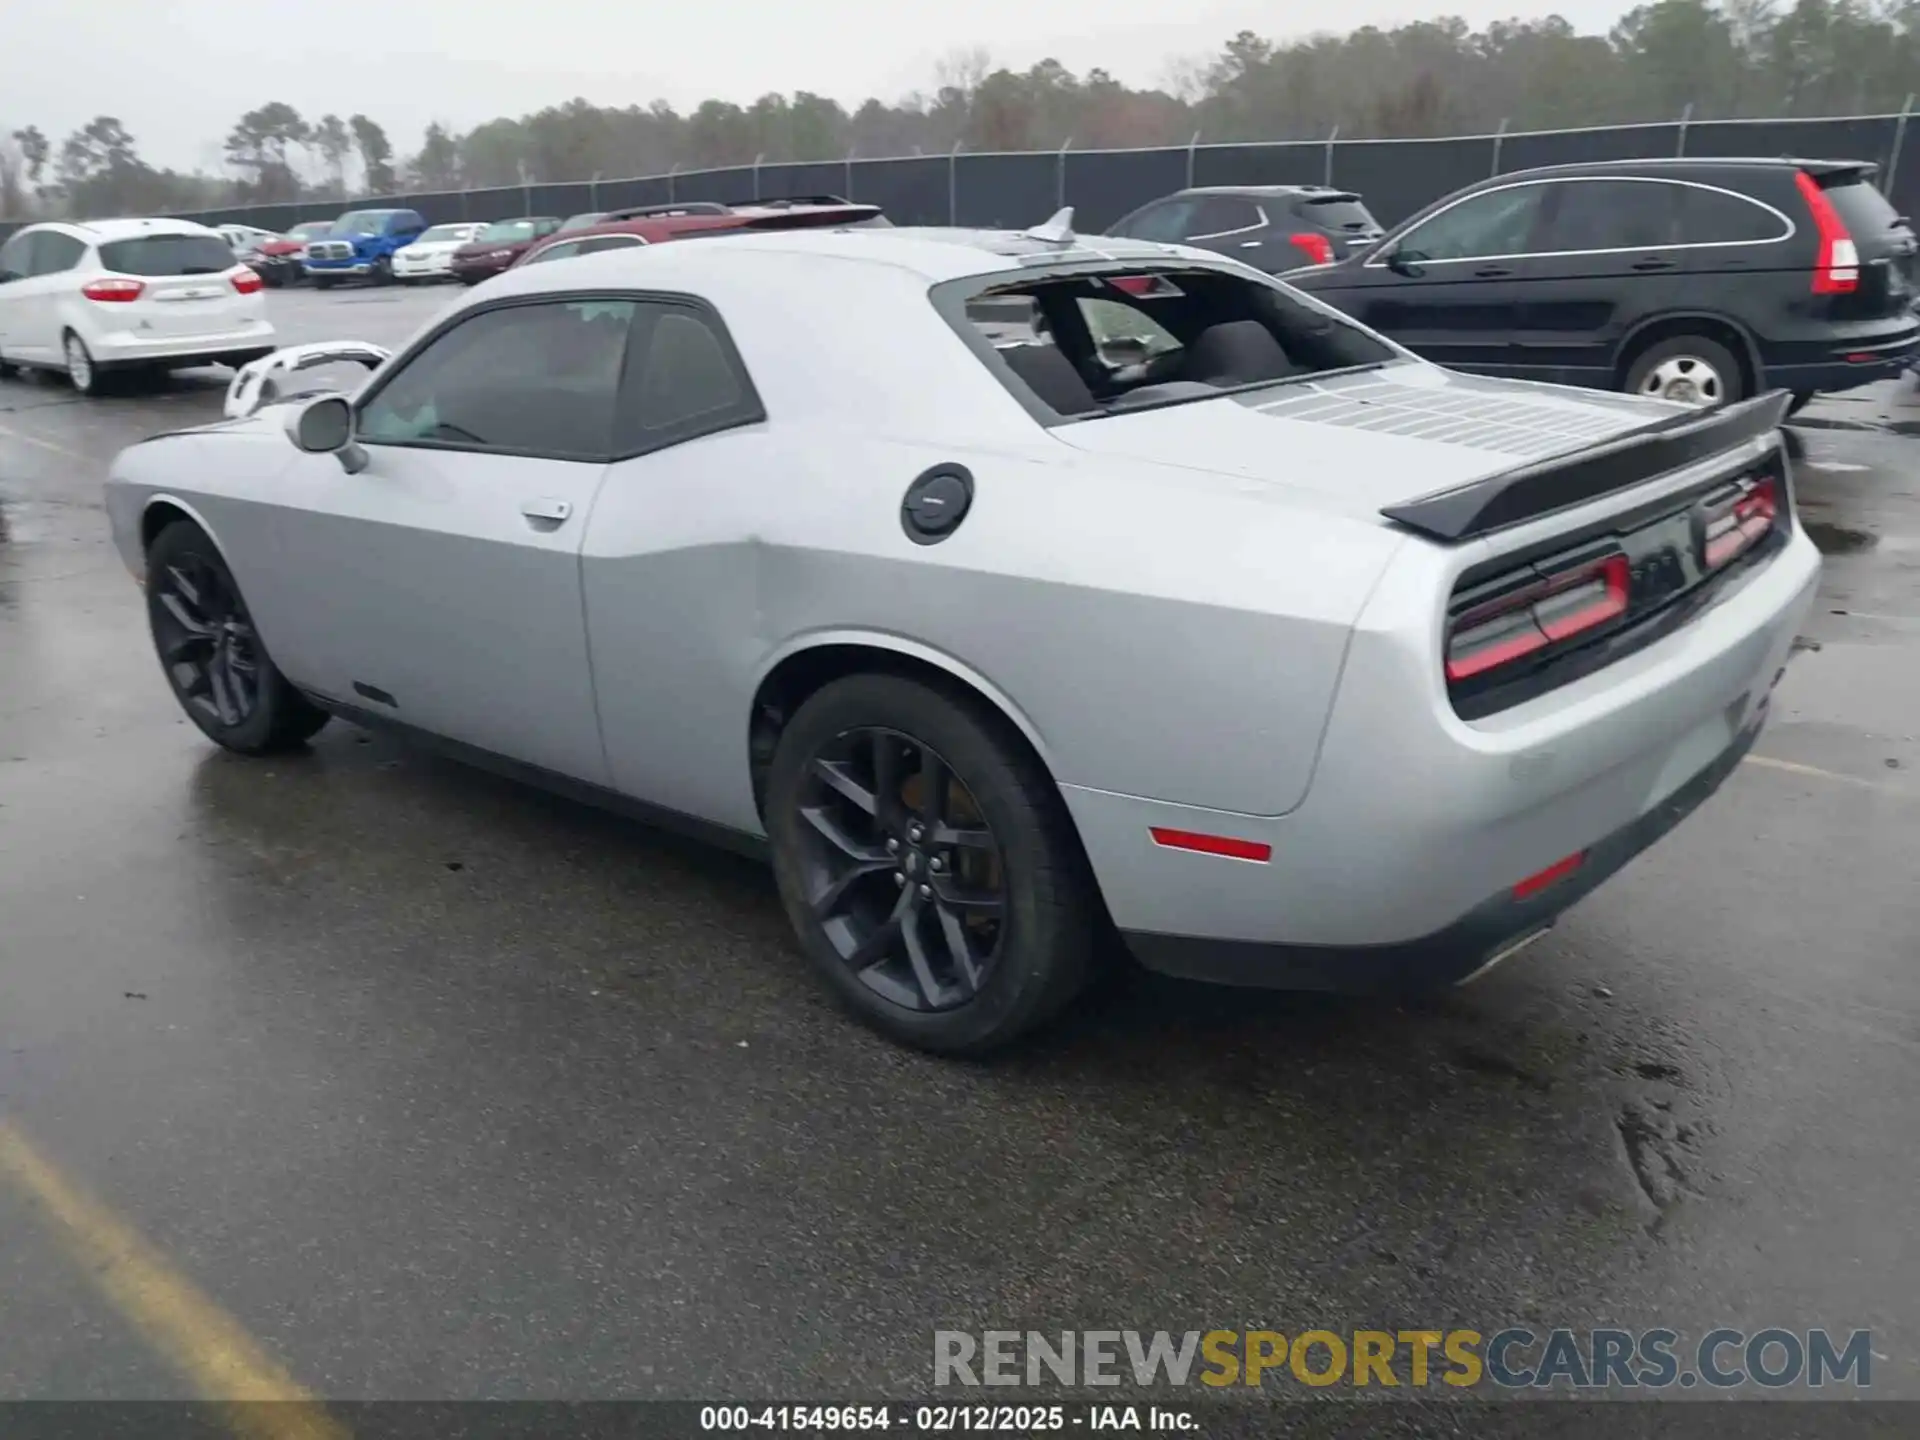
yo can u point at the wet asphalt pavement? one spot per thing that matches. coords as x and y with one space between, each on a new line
444 1088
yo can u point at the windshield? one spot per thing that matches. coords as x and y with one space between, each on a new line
310 229
442 232
362 222
581 222
168 255
502 231
1081 345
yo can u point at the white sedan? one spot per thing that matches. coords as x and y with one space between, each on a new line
117 295
428 257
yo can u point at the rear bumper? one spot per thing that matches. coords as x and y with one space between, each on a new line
1492 930
246 342
1843 361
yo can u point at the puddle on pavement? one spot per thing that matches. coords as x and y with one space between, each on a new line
1838 539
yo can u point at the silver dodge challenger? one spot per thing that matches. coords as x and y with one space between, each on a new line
1008 590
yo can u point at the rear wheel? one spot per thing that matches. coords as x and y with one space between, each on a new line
212 657
1688 370
81 370
928 865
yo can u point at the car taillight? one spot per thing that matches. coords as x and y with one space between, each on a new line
1737 524
1836 269
247 282
113 290
1537 613
1317 248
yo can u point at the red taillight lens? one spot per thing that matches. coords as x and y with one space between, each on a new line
1735 529
1836 269
248 282
1317 248
110 291
1533 616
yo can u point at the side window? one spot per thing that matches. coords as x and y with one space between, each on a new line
55 252
1613 215
13 256
539 379
556 252
1717 217
683 380
1165 222
1222 215
1500 222
546 227
608 242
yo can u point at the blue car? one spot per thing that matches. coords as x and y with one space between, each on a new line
360 246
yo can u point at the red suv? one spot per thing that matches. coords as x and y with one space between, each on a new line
652 224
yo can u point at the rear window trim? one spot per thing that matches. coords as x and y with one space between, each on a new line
951 297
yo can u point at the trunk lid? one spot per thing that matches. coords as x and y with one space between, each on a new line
1366 440
1888 253
187 284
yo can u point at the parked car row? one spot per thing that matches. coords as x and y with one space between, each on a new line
1696 280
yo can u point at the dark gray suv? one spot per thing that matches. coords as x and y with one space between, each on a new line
1271 227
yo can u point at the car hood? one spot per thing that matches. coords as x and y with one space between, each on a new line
435 247
479 249
1370 438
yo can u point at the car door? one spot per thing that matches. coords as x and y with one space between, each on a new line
1610 255
1451 286
440 586
34 329
671 579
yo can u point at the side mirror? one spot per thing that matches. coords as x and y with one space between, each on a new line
324 426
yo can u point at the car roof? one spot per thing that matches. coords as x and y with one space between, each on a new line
1688 162
933 254
1276 192
103 232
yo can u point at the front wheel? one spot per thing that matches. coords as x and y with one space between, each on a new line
928 865
382 272
220 672
1688 370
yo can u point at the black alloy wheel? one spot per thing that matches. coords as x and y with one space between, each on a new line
206 641
928 863
212 656
902 871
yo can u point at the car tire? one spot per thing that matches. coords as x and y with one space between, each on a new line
214 661
1688 369
953 915
382 272
82 372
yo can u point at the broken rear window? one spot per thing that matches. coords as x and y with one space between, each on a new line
1080 344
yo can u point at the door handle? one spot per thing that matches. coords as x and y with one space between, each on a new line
1652 262
552 512
1492 272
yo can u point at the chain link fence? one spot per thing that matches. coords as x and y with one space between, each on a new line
1396 177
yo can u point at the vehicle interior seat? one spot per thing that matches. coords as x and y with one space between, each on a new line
1236 352
1052 377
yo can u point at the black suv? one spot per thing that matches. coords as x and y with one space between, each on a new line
1271 227
1698 280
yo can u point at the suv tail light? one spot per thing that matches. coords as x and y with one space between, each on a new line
1732 525
1317 248
248 282
113 290
1836 269
1538 612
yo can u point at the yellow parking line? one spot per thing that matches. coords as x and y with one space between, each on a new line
223 1363
1794 767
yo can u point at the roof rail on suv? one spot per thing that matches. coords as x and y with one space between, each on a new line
683 207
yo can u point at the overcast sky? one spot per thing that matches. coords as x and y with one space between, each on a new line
178 73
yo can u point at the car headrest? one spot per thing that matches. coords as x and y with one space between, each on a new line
1236 352
1051 376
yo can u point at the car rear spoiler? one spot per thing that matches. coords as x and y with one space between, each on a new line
1513 497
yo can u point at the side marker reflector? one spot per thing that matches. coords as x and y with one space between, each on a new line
1539 881
1225 845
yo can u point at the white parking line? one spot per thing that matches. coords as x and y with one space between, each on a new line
1794 767
36 441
